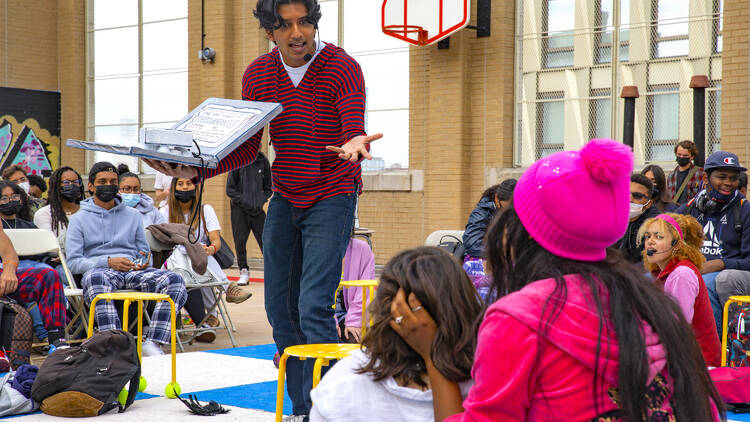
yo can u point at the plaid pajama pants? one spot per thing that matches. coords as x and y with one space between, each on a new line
42 285
150 280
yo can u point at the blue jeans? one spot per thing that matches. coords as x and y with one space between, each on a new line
303 250
716 306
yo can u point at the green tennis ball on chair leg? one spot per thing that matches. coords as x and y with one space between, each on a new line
172 390
123 396
142 384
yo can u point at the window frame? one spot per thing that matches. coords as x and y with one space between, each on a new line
600 45
542 99
656 39
597 94
650 142
546 49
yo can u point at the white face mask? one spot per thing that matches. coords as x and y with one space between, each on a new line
25 186
636 210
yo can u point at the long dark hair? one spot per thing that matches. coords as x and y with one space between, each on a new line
632 298
57 213
661 196
446 292
25 213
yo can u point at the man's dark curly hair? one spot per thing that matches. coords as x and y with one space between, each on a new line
267 12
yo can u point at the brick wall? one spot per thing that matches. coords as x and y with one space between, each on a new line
735 84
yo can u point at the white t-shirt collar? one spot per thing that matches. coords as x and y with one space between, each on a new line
297 73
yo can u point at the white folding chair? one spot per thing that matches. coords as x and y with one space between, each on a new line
215 287
29 242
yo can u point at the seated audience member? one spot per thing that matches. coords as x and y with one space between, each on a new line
37 186
14 207
725 216
580 334
641 209
495 198
103 240
662 200
18 175
742 186
686 180
672 253
387 380
132 196
36 288
181 208
359 264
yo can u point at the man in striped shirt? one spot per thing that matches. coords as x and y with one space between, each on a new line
319 140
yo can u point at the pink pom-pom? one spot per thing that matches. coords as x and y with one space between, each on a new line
606 159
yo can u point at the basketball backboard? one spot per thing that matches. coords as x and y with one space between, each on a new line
424 22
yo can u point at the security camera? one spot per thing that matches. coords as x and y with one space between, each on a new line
207 53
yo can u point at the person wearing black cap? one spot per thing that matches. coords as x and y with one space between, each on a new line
107 244
725 216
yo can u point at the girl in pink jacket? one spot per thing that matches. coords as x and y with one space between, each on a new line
578 334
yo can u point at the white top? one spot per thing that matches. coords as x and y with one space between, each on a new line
212 221
345 395
297 73
43 220
162 182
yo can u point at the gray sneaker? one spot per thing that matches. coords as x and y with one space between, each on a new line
294 418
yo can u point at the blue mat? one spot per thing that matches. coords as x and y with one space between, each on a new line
263 351
744 417
261 396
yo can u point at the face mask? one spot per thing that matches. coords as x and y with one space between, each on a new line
683 161
106 193
636 210
720 198
184 195
131 199
70 193
11 208
25 186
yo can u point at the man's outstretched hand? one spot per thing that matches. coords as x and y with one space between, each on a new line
172 169
355 147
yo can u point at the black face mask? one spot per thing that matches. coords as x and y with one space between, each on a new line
184 195
106 193
70 193
11 208
683 161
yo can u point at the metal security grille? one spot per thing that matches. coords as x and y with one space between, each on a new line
574 56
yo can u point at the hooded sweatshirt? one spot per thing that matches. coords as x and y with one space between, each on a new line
479 219
359 264
149 214
721 240
517 377
96 234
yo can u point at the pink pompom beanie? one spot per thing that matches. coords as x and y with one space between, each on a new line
576 203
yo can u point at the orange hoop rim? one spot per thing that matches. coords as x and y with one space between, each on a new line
409 29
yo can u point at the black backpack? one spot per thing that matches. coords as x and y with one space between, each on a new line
86 380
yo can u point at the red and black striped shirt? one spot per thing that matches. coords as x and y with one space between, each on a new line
326 108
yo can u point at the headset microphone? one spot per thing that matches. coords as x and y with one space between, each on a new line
652 252
307 57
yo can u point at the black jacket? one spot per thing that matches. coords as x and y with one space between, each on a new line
628 243
249 187
479 219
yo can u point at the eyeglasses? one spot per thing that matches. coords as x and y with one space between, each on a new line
20 180
6 199
71 182
638 195
129 189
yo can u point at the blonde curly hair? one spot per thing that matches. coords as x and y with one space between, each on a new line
690 246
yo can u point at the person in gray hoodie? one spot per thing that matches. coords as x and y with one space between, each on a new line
107 244
133 196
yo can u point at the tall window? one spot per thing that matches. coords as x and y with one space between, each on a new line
671 28
385 65
605 27
137 74
664 114
600 114
718 26
550 117
558 21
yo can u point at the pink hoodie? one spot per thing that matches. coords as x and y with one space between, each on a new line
359 264
516 380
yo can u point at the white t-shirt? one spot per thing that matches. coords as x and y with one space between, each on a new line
162 182
297 73
43 220
345 395
212 221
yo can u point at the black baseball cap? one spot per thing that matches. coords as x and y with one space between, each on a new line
100 167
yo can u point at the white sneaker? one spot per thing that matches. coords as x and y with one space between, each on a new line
244 277
293 418
150 348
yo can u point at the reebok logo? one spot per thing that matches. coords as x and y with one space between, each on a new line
723 219
711 242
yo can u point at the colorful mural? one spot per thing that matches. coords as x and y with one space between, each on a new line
23 140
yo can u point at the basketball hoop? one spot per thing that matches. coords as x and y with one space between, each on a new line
424 22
